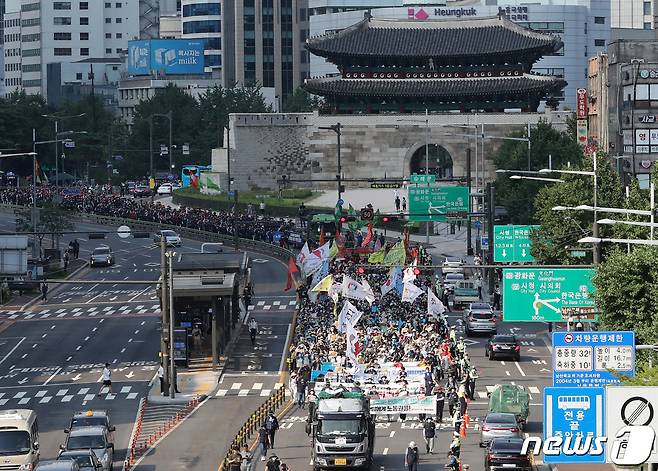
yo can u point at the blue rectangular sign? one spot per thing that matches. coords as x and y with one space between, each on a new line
168 56
592 358
574 412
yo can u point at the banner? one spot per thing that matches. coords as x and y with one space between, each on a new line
410 292
348 317
352 348
334 291
352 289
370 295
378 256
397 255
391 282
404 405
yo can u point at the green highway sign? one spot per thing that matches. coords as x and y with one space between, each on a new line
578 253
436 203
416 178
512 243
548 295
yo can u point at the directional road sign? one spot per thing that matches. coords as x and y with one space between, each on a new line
427 203
548 295
574 412
512 243
592 358
415 178
629 406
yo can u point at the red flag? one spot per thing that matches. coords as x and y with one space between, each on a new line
321 242
292 268
368 236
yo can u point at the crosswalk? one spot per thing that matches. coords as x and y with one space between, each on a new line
59 395
273 305
242 390
91 311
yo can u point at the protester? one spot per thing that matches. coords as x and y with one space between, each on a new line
411 457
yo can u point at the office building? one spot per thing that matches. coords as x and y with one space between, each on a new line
582 25
43 32
150 12
202 20
170 26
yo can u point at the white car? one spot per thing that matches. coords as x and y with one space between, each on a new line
171 238
451 279
452 265
165 189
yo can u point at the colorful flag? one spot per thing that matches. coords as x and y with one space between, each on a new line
315 259
378 245
370 295
324 284
333 293
353 348
391 281
321 273
377 257
396 256
352 289
292 268
409 274
434 304
368 237
411 292
303 255
333 250
348 317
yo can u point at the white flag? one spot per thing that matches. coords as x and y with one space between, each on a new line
352 289
370 295
434 304
334 291
348 317
409 275
313 261
303 255
393 276
353 348
410 292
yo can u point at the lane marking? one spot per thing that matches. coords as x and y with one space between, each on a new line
518 367
392 434
385 452
507 373
52 376
12 350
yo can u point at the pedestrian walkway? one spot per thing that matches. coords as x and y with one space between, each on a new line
91 311
248 387
273 305
84 396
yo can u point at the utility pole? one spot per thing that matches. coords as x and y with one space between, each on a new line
337 129
172 364
151 174
34 215
491 210
164 297
469 242
171 148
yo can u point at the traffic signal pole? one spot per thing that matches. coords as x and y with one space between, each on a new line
469 242
490 223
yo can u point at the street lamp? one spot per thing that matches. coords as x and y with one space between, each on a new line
172 364
540 179
169 116
337 129
57 134
598 240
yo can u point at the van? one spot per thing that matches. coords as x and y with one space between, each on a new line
19 439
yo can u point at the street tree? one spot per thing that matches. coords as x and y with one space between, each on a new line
560 230
518 196
51 220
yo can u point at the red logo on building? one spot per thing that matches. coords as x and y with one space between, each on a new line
417 15
581 103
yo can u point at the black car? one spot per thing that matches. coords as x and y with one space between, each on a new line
503 345
505 453
141 191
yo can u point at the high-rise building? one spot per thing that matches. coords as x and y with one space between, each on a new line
202 19
42 32
150 12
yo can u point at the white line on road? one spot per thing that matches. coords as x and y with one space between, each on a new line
86 338
392 434
507 373
94 329
78 348
518 367
35 345
140 293
12 350
137 332
52 327
44 336
123 350
92 288
502 363
24 355
69 359
130 340
52 376
101 321
283 356
385 452
143 322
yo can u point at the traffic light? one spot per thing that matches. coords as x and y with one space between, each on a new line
344 219
360 270
416 271
387 219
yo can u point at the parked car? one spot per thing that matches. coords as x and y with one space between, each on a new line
94 438
92 418
452 265
57 465
101 256
172 239
165 189
86 459
141 191
506 345
505 453
480 322
498 425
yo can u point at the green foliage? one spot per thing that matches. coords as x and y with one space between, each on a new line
302 101
560 230
627 292
52 221
518 196
644 376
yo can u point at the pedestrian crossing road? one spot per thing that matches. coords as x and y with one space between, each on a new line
146 309
77 395
248 387
273 305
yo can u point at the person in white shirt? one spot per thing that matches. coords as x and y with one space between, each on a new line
162 379
106 376
253 330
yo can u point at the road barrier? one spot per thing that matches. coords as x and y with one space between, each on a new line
254 422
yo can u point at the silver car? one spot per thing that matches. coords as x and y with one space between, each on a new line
171 238
452 265
451 280
498 424
86 459
91 438
101 256
480 322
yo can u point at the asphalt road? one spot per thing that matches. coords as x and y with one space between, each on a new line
51 355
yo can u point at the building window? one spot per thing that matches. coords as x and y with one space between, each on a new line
84 5
108 35
31 83
647 25
118 20
30 6
30 22
84 20
201 9
108 5
78 76
84 36
205 26
119 35
31 52
108 20
28 38
119 50
84 51
31 68
62 6
117 5
62 36
108 50
62 20
599 42
647 8
62 51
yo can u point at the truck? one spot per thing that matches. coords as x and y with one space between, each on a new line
511 399
343 432
13 256
466 292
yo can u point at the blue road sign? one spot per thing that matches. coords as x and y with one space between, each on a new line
485 242
340 202
591 358
574 412
478 224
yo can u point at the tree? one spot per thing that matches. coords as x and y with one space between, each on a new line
302 101
51 220
518 196
560 230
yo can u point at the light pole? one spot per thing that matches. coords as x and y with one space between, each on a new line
172 362
337 128
57 134
169 116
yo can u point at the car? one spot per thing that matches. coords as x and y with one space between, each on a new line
101 256
452 265
507 345
165 189
505 453
498 424
57 465
90 418
94 438
86 459
451 279
175 186
480 322
172 239
141 190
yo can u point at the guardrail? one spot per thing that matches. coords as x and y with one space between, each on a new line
253 423
276 251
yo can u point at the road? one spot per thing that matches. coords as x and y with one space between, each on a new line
51 355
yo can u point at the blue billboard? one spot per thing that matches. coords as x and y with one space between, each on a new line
165 56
